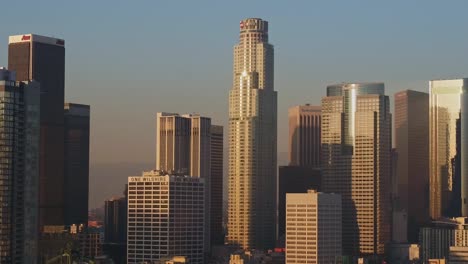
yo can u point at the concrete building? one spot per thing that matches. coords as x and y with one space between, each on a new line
313 227
448 179
252 140
183 146
412 145
293 179
76 181
304 136
165 217
216 185
356 160
42 59
19 169
458 255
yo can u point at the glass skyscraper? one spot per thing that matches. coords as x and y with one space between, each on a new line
252 140
356 149
448 130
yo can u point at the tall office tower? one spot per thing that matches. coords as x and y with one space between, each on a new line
76 182
356 149
448 175
294 179
42 59
313 222
252 140
304 135
165 217
115 229
19 169
216 211
412 170
183 145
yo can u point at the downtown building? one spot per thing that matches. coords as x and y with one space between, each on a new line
412 166
252 140
76 177
189 144
313 227
448 130
303 172
19 169
42 59
115 228
356 160
165 217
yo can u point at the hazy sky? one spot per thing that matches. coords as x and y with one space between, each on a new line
131 59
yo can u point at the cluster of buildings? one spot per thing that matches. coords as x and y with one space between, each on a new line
44 154
348 194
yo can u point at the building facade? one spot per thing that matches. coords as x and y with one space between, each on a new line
76 182
304 136
42 59
412 146
448 175
165 217
294 179
216 185
313 227
115 229
19 169
252 140
356 160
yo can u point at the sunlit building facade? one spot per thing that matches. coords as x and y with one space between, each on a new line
448 139
165 217
313 227
304 135
356 156
252 140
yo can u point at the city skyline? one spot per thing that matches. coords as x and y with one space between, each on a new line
400 53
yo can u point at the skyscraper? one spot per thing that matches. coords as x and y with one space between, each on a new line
165 217
76 183
115 228
313 221
412 146
216 185
356 149
304 136
448 139
252 140
19 169
183 145
42 59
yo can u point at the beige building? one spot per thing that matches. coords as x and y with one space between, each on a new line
165 217
448 175
183 146
252 140
356 156
304 135
313 227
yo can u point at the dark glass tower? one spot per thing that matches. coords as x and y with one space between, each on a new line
40 58
76 163
19 169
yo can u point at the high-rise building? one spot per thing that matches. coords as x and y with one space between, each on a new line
294 179
412 146
115 229
304 135
19 169
448 175
313 223
183 145
252 140
165 217
42 59
76 183
356 160
216 185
